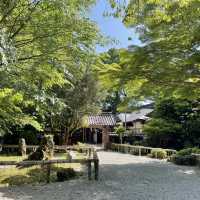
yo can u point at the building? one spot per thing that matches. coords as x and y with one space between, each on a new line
104 122
100 128
134 121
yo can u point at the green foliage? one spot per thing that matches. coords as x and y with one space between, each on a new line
188 151
11 113
174 124
15 176
120 130
185 157
47 59
189 160
113 95
159 153
32 175
28 133
35 175
185 152
167 64
162 133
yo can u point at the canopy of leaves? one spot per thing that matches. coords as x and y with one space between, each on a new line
113 95
46 55
168 62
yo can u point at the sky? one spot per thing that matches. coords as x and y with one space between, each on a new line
112 27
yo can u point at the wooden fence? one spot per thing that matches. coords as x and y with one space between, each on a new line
92 158
137 150
31 148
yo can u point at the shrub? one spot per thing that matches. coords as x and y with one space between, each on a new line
188 151
159 153
185 157
185 152
30 137
189 160
65 174
196 150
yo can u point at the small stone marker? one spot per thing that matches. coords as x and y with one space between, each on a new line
22 147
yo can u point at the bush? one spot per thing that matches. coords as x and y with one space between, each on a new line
196 150
188 151
65 174
185 157
185 152
189 160
159 153
30 136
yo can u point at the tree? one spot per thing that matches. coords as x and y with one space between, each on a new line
120 130
82 99
45 46
113 95
174 124
168 61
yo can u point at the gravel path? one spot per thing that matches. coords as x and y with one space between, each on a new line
122 177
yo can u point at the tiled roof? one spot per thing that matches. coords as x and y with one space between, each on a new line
140 114
101 120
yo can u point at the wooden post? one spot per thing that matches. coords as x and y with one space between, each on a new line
48 172
89 170
139 151
105 138
89 151
96 169
96 166
22 147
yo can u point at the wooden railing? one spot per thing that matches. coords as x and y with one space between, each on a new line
137 150
91 157
12 148
31 148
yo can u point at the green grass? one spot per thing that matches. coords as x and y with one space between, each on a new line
11 158
32 175
60 156
15 176
80 155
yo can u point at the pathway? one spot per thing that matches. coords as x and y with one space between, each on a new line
122 177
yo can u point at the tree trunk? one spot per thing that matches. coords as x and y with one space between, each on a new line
66 136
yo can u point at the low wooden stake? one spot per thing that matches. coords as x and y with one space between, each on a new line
96 169
89 170
48 172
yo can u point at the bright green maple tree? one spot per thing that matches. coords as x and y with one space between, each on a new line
44 45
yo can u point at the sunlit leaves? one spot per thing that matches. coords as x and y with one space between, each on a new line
11 112
167 64
46 49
